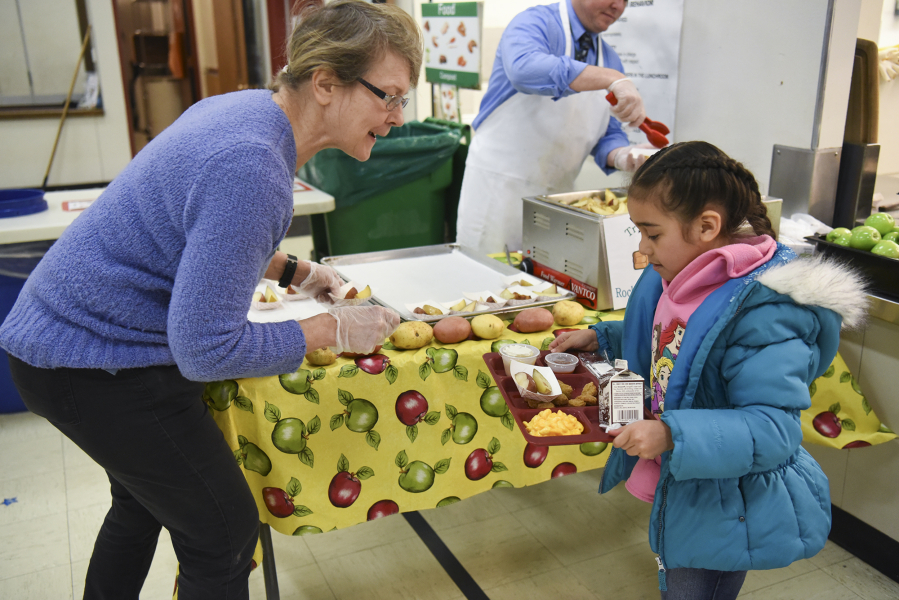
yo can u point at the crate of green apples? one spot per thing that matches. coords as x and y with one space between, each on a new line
872 248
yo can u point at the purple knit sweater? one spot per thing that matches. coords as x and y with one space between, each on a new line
160 270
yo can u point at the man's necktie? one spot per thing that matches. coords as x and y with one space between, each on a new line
585 44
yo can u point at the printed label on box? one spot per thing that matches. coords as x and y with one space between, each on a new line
626 398
586 293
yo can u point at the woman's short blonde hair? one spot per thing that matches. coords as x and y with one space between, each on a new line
347 37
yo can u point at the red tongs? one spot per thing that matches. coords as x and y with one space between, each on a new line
655 130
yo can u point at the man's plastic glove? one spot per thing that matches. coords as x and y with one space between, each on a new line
629 109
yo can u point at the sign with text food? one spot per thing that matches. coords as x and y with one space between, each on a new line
452 32
626 263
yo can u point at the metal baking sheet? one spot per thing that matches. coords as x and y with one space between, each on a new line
441 273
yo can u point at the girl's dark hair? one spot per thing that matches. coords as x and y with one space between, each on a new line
686 178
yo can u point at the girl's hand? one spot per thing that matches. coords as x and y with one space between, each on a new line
646 439
584 339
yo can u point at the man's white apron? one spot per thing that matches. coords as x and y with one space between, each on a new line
528 145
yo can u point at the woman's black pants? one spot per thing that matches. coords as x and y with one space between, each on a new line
168 465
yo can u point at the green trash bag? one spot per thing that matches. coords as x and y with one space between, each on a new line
407 154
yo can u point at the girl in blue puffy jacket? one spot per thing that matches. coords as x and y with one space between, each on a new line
722 465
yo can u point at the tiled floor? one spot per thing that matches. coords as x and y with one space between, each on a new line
557 540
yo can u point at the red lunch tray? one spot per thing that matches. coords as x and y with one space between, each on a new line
518 406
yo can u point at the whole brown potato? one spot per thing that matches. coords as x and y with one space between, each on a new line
452 329
533 319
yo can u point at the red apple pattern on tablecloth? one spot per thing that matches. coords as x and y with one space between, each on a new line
360 416
345 487
534 455
280 503
300 383
492 402
412 409
442 360
219 395
373 364
252 457
463 426
562 469
417 476
382 508
480 462
291 435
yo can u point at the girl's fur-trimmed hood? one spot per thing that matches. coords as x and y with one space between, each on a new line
819 281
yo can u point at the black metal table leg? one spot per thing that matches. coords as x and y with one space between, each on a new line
269 574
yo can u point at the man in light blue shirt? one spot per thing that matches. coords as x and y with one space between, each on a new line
544 112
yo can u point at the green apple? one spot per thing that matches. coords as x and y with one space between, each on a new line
465 427
843 240
886 248
288 436
362 415
882 222
892 236
220 393
495 346
255 459
417 477
864 237
298 382
838 232
492 402
444 359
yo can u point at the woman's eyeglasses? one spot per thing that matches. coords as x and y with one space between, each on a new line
391 101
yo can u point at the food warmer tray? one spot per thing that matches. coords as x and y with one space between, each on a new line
518 406
441 273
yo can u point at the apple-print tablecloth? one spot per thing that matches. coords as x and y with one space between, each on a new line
329 447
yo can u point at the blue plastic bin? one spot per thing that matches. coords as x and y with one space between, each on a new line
17 261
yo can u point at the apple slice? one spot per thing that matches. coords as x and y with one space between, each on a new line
552 290
458 305
365 293
506 294
470 307
525 381
351 293
541 383
291 291
270 295
258 297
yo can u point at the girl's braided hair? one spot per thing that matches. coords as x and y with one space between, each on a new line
686 178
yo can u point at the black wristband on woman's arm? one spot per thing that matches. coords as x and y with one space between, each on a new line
290 269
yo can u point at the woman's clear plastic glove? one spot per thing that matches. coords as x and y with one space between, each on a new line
629 108
320 281
361 328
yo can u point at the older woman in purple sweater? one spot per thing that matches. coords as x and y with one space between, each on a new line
146 296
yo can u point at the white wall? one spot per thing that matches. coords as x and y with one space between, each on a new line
91 149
